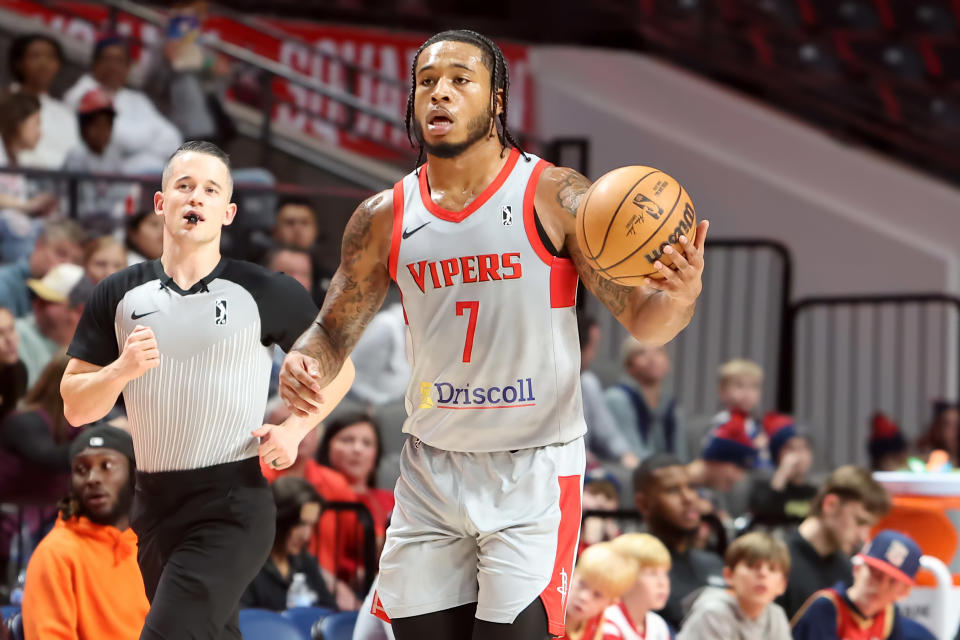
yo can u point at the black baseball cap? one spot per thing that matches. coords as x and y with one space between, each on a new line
104 437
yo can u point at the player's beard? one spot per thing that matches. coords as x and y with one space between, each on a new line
478 128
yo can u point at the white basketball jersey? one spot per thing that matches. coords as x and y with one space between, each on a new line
491 318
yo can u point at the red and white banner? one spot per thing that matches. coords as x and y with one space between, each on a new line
390 54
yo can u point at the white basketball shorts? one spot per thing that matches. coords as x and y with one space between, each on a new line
500 529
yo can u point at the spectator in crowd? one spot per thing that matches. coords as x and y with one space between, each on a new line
786 497
601 492
298 224
60 242
633 618
728 455
93 153
846 507
650 422
670 510
102 257
143 137
185 78
756 566
35 61
58 302
883 573
19 131
34 443
886 446
34 459
298 511
739 387
335 529
944 431
380 357
351 445
293 261
604 439
13 374
601 576
144 237
83 580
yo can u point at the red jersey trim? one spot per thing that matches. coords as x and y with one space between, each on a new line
397 228
563 273
459 216
376 608
554 597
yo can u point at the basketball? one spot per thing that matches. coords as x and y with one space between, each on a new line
626 219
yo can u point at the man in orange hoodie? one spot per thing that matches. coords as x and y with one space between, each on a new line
83 581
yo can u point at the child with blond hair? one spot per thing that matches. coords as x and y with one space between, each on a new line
633 618
600 577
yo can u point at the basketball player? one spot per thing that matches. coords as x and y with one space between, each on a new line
188 340
481 242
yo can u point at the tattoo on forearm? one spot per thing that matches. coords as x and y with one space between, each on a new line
571 188
614 296
351 300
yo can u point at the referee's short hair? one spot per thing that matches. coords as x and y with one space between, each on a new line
197 146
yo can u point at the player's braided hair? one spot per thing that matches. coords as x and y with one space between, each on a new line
499 79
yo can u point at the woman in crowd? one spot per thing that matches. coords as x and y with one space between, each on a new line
34 459
144 237
298 511
34 463
944 432
35 61
19 131
351 445
102 257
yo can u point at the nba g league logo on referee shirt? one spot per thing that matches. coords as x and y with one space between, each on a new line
449 396
220 311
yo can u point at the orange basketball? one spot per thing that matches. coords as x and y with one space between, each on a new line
626 219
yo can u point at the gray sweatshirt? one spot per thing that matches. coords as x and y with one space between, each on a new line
715 614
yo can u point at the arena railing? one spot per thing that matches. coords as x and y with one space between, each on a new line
850 356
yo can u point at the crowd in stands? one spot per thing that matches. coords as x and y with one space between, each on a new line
730 533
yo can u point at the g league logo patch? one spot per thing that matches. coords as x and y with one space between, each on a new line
507 215
220 316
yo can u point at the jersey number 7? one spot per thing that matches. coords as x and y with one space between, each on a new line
473 308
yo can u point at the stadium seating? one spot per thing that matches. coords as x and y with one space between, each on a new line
260 624
306 618
339 626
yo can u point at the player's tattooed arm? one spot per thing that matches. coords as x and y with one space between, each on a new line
357 289
647 313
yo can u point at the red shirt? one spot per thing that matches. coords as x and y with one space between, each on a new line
338 540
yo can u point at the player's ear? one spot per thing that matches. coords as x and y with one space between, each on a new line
231 214
158 202
727 574
498 101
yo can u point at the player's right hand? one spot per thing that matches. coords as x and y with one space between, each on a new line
300 384
140 353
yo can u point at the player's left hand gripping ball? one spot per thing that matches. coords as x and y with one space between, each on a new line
278 446
683 282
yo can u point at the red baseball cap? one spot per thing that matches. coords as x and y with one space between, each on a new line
94 101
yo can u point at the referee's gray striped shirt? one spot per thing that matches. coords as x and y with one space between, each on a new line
198 407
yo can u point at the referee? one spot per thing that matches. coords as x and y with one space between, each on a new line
187 339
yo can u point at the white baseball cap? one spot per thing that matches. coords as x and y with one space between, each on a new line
57 284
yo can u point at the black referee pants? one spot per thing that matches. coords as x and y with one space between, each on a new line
203 535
